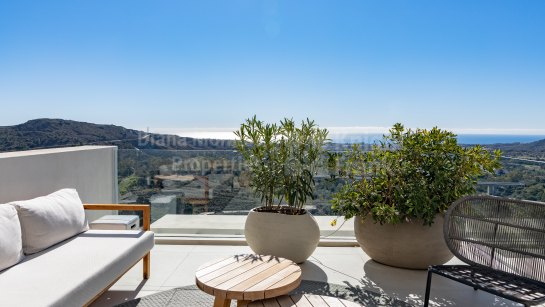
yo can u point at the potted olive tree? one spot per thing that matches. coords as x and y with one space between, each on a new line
282 160
399 191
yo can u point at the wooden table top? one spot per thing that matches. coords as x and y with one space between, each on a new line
248 277
304 300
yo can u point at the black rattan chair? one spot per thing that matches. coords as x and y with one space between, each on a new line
502 241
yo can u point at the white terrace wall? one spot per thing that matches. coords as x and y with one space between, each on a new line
91 170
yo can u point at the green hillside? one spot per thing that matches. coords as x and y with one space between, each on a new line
46 133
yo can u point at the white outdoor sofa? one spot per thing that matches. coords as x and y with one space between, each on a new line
74 271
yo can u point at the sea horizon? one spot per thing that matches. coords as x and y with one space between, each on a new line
467 139
371 134
369 138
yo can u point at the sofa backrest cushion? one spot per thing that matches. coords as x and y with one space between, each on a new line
48 220
11 243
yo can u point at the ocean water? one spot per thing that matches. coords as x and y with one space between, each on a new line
368 138
469 139
497 139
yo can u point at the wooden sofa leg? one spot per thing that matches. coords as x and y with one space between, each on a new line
146 265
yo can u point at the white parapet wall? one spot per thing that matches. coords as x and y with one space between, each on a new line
91 170
172 224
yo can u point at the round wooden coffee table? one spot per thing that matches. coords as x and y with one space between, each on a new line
247 278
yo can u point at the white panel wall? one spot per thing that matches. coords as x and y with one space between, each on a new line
91 170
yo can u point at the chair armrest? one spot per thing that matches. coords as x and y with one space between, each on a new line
144 208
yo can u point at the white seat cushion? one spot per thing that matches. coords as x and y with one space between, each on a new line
73 272
50 219
11 244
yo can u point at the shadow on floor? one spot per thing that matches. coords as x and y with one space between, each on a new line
311 271
349 292
110 298
191 296
410 286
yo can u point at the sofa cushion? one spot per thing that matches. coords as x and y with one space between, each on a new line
50 219
11 244
73 272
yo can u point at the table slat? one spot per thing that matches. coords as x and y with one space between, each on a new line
300 300
284 301
242 272
350 304
285 285
211 268
304 300
315 300
275 278
238 289
333 301
248 278
226 269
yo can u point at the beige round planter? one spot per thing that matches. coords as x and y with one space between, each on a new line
406 245
294 237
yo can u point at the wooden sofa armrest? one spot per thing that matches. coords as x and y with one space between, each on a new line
144 208
146 260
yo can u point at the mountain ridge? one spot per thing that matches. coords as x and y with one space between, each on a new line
49 132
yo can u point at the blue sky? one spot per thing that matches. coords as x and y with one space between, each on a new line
210 64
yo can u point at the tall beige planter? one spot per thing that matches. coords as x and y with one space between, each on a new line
405 245
294 237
